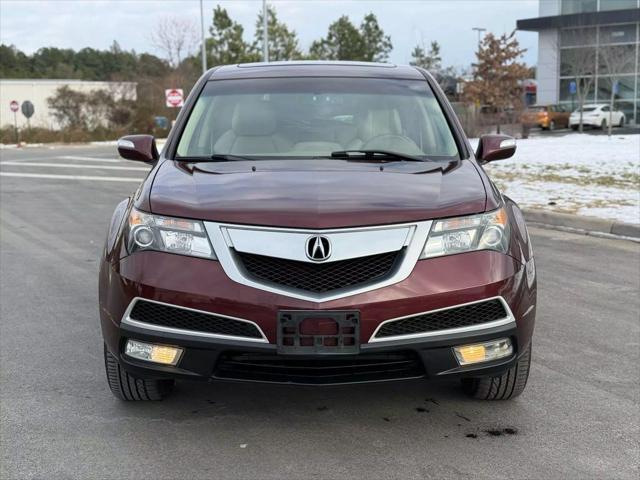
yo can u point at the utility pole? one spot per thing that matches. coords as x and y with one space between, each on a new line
202 48
265 32
479 30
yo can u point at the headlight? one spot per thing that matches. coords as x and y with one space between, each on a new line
167 234
487 231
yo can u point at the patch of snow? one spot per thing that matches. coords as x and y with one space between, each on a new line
591 175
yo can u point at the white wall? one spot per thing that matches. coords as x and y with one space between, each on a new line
38 91
548 67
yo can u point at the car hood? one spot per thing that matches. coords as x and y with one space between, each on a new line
316 194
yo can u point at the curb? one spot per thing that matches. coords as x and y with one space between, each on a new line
585 224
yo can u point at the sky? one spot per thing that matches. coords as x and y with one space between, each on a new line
32 24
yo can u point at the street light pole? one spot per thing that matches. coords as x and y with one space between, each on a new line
265 32
202 48
479 30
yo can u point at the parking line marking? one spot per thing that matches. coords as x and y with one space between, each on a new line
71 177
71 165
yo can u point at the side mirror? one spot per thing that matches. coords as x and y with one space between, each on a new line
138 147
495 147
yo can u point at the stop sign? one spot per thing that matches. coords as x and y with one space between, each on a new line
14 106
174 97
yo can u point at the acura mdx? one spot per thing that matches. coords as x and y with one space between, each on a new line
317 223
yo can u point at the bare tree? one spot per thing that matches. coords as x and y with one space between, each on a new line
176 37
615 60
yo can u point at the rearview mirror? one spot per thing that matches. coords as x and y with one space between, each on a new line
138 147
495 147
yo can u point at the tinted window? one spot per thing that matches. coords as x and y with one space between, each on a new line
616 59
578 37
625 88
312 117
618 34
577 61
617 4
586 84
578 6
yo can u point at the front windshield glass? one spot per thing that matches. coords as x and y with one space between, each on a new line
313 117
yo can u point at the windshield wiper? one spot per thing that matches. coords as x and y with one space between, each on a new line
216 157
370 154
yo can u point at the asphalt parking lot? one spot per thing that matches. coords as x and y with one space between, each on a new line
578 418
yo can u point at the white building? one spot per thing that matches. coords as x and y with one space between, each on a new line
586 27
38 91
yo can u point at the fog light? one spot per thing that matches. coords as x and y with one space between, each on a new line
483 352
153 353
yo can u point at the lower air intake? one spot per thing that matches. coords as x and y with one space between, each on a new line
175 317
456 317
318 371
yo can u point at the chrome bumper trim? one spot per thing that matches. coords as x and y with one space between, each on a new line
509 319
127 320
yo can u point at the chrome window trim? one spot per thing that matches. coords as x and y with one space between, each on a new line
509 319
127 320
416 236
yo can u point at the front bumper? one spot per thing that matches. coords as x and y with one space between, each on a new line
202 285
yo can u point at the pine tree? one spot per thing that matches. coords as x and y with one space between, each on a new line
428 60
377 45
344 41
283 43
226 44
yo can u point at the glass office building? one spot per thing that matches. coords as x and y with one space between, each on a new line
595 40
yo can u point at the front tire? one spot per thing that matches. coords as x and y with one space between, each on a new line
503 387
129 388
574 127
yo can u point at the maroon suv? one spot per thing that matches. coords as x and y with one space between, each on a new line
317 223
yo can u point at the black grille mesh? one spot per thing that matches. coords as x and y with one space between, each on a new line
465 316
168 316
330 369
319 277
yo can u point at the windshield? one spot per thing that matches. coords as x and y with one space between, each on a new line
313 117
587 109
537 109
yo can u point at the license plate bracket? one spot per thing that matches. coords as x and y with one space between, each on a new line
303 332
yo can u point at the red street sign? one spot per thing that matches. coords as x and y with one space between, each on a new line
174 97
14 106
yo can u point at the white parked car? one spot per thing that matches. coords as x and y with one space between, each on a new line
597 115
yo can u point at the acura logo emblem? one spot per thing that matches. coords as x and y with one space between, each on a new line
318 248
